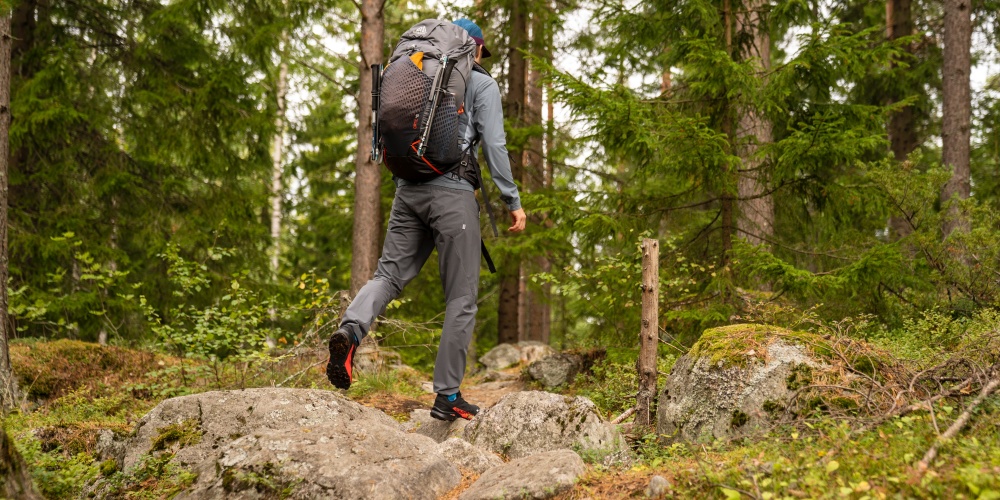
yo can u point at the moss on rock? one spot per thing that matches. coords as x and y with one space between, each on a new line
183 434
739 345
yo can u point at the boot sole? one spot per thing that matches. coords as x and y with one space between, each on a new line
341 349
440 415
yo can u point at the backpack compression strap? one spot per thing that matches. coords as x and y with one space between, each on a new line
466 158
486 256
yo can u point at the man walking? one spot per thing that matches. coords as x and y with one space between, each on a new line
442 213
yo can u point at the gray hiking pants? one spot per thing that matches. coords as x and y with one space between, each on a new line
424 217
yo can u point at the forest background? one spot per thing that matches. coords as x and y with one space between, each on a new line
192 175
188 182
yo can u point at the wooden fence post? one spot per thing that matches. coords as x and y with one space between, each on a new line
649 332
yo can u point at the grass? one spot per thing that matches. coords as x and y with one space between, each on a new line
822 461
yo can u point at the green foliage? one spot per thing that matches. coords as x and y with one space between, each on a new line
389 381
826 461
232 327
613 381
153 477
57 440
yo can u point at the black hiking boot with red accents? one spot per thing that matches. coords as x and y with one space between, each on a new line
449 409
340 365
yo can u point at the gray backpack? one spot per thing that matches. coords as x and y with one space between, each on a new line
420 99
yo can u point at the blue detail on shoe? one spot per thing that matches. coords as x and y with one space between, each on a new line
452 398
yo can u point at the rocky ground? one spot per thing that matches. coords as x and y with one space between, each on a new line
308 443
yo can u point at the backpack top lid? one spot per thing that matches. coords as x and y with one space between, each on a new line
436 38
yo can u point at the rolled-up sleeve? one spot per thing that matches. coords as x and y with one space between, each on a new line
488 117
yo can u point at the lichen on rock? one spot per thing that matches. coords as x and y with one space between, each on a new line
737 380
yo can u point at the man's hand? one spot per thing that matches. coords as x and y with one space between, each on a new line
518 220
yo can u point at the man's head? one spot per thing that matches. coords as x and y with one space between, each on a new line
477 34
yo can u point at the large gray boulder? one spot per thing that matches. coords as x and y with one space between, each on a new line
501 356
421 422
465 456
532 351
292 443
735 381
530 422
556 370
543 475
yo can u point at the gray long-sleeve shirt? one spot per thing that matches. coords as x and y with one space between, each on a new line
484 112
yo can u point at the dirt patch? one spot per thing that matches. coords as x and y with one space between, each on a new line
70 439
395 405
468 477
627 484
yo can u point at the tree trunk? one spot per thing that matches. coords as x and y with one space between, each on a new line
23 25
508 319
649 337
902 131
537 310
278 156
368 177
756 206
726 198
15 476
956 93
902 125
9 393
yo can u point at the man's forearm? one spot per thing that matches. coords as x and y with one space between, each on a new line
499 163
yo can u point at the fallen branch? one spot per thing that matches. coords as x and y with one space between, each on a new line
621 418
958 424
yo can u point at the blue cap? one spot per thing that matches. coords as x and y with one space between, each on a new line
475 32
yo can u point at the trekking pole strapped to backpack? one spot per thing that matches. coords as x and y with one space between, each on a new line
441 78
376 93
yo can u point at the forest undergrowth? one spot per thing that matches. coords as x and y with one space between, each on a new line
862 441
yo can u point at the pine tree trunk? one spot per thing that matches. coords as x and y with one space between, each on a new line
756 206
537 311
508 319
726 198
957 108
902 131
277 157
15 475
902 125
9 393
368 176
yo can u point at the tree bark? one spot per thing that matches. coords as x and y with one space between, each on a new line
902 131
755 222
508 319
15 476
726 198
537 310
902 125
957 109
648 333
368 176
9 392
278 156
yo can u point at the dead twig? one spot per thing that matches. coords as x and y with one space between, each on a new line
958 425
621 418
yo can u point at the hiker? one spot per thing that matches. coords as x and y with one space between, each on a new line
438 213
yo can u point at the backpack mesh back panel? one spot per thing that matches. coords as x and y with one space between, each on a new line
405 92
